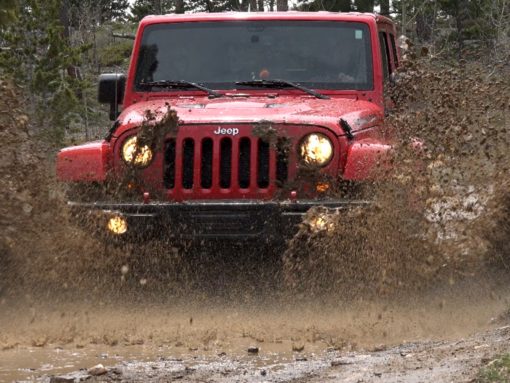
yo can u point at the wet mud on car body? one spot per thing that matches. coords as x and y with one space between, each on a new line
239 144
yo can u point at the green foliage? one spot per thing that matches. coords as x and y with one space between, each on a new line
105 10
7 12
325 5
115 54
213 6
142 8
364 5
39 57
342 5
497 371
465 29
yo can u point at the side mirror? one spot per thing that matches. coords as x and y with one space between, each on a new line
111 91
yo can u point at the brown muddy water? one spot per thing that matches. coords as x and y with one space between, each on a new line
43 338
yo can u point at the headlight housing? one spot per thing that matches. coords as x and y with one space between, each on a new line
134 154
316 150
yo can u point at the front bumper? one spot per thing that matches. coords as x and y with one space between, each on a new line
233 219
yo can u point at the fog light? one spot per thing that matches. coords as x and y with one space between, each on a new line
321 223
117 225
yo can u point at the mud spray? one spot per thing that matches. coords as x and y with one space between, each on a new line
439 210
429 260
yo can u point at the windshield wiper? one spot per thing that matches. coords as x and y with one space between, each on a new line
282 84
179 84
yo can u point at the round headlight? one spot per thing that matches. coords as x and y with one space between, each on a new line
316 149
136 155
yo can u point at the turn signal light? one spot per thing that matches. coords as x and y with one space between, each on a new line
322 187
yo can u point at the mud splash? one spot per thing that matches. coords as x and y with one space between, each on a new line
418 265
430 222
432 212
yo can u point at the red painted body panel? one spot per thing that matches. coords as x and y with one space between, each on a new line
367 159
288 109
88 162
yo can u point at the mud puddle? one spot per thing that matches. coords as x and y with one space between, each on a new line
35 363
29 363
281 339
426 361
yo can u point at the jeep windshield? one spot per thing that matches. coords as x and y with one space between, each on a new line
315 54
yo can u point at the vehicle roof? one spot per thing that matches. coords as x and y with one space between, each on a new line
289 15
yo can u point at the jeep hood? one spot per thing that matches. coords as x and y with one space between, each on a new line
304 110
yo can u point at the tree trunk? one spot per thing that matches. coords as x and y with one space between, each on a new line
462 14
261 5
243 5
282 5
157 7
179 6
424 23
385 7
72 70
253 5
364 5
344 5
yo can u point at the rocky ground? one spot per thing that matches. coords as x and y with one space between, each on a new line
446 339
457 361
437 361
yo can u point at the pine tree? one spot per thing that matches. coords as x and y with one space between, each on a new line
104 10
37 56
141 8
456 23
210 5
7 12
385 7
179 6
114 10
282 5
325 5
364 5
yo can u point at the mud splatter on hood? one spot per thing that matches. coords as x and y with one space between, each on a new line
291 110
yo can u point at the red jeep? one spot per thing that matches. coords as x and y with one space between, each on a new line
264 116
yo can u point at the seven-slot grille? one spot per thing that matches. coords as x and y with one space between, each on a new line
224 162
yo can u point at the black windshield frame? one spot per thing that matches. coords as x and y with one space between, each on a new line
143 62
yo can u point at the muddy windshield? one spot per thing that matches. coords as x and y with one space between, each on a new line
316 54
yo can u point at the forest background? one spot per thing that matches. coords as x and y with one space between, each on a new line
54 50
